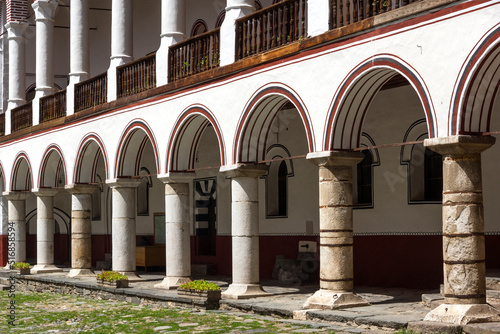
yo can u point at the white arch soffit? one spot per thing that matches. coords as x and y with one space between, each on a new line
191 129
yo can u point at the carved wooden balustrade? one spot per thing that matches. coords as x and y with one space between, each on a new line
137 76
22 117
53 106
92 92
194 55
345 12
271 27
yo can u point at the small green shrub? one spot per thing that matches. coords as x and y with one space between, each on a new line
111 276
200 285
21 265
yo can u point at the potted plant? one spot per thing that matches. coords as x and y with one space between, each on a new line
22 268
113 279
208 293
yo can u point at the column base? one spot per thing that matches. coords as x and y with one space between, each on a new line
172 283
132 276
45 269
80 273
329 300
243 291
463 314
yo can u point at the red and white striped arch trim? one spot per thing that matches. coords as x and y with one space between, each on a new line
20 169
60 169
476 87
126 137
354 96
257 117
185 137
89 139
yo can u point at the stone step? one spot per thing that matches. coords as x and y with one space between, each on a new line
4 287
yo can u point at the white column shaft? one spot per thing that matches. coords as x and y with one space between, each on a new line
45 230
173 31
177 230
123 224
318 13
234 10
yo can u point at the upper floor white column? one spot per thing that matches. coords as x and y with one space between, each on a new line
234 10
44 16
318 12
79 49
173 31
121 41
17 68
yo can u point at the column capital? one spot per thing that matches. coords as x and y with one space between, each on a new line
16 195
237 4
16 29
44 192
177 177
44 9
123 183
335 158
244 170
81 188
460 144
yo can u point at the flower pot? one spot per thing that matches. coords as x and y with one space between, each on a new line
115 284
208 299
23 271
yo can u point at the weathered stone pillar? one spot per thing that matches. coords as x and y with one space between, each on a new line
45 225
234 10
17 217
173 31
79 49
123 226
81 229
463 231
121 41
177 227
44 17
336 230
17 68
245 230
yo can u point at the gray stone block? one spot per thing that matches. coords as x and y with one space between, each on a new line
429 327
483 328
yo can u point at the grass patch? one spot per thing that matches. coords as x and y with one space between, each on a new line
42 312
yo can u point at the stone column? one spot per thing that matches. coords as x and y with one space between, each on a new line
81 229
177 227
17 217
173 31
463 231
121 41
123 226
45 225
17 68
245 230
336 231
79 49
44 17
234 10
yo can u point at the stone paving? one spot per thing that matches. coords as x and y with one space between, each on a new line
391 309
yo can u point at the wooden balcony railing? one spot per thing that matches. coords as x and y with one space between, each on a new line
22 117
271 27
2 124
194 55
92 92
137 76
345 12
53 106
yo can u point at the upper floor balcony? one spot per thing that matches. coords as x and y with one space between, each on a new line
240 40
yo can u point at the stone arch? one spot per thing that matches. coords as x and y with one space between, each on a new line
354 96
133 142
199 27
52 172
2 178
90 153
476 87
186 134
21 176
258 116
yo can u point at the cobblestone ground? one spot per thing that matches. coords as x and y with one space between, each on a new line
50 313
